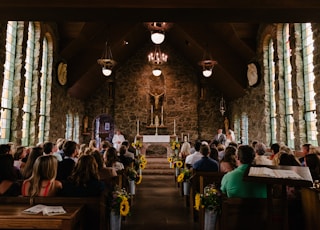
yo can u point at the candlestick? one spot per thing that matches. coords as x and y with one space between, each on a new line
174 127
188 137
151 124
181 137
138 127
156 129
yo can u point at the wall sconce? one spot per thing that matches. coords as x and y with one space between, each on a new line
106 61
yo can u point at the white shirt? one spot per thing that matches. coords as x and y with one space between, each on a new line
117 141
192 158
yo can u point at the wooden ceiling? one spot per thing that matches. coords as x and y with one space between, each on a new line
227 28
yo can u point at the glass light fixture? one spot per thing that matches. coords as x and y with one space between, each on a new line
106 61
207 64
157 58
157 37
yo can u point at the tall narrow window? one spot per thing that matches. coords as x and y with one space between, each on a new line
7 88
76 128
237 129
270 101
45 91
287 85
29 67
69 126
244 128
309 93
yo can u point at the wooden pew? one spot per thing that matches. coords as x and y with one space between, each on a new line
198 181
94 216
250 214
311 207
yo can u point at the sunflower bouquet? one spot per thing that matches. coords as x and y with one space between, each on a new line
137 144
120 202
175 145
184 176
210 199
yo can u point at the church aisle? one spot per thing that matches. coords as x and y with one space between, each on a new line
158 205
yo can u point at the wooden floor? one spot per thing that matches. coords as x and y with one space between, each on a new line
159 205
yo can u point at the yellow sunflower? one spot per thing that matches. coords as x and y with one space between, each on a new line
179 164
142 166
170 159
124 207
197 201
140 179
180 177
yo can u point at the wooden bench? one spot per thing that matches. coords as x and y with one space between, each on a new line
94 211
198 182
250 214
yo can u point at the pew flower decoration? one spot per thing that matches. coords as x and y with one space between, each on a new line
132 174
142 162
175 145
137 144
211 199
184 176
119 203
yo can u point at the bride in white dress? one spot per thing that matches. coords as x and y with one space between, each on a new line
230 137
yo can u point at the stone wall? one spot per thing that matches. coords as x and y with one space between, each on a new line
127 98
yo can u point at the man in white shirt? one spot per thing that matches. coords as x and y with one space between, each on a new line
261 158
192 158
117 140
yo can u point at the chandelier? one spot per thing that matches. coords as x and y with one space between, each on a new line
157 30
157 58
106 61
222 106
207 64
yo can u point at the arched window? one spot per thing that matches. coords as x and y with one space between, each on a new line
286 56
69 127
305 30
237 129
270 101
76 128
45 91
29 67
244 128
7 87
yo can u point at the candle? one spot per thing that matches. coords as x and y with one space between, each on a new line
181 137
138 127
188 137
162 109
151 109
151 114
174 127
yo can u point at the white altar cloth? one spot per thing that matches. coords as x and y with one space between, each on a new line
156 138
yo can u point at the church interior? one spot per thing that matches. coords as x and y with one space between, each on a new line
82 70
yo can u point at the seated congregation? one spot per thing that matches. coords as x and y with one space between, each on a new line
63 173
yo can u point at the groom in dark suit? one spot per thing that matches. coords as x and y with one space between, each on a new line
219 138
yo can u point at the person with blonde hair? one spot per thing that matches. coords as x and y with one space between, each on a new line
43 179
185 150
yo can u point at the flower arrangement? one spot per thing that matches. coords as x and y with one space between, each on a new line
142 162
119 202
137 144
184 175
132 174
175 145
211 199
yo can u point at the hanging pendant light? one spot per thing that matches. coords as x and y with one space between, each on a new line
207 64
157 30
106 61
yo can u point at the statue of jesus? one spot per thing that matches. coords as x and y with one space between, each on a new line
156 99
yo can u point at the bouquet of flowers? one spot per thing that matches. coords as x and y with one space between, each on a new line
137 144
132 174
175 145
184 175
119 202
211 199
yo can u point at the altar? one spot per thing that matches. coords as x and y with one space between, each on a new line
163 140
